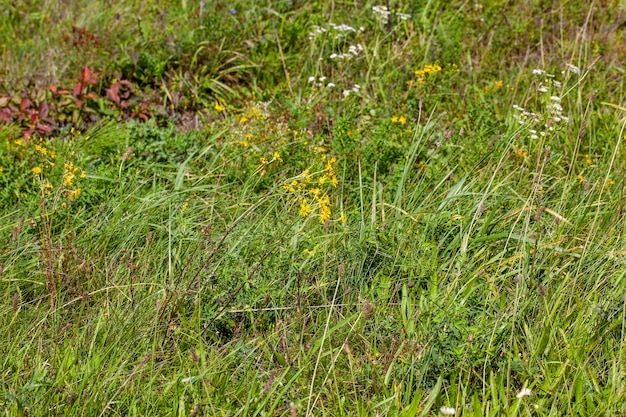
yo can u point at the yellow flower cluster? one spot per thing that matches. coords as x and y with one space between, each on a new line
41 149
428 70
46 157
305 208
309 188
396 119
324 203
69 174
496 86
266 162
521 153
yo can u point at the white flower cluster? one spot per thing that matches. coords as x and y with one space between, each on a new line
355 89
319 82
316 31
447 411
382 14
341 30
573 68
555 110
342 27
353 50
403 16
553 117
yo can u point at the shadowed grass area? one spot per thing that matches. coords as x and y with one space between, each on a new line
322 208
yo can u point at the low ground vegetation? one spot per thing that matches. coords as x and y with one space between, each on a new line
312 208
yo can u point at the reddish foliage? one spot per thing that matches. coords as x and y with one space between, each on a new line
46 116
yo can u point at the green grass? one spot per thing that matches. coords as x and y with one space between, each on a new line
267 245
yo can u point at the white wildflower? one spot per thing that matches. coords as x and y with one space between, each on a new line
555 98
543 89
524 393
330 85
382 13
565 119
403 16
573 68
321 79
316 30
333 56
311 79
534 137
346 93
342 27
555 108
557 84
538 71
447 411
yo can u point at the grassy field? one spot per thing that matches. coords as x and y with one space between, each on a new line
312 208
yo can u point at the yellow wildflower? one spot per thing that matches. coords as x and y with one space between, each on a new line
37 170
305 208
588 160
264 160
290 188
41 149
69 178
324 203
394 119
83 174
48 188
219 107
342 217
75 193
497 85
581 178
402 120
277 157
